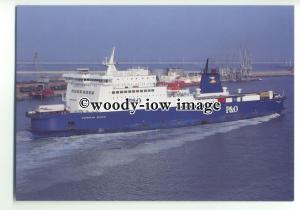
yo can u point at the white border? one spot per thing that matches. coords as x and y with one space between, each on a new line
7 36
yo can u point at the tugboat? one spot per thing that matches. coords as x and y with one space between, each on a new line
138 84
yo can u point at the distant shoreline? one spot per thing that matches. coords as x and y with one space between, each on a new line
258 73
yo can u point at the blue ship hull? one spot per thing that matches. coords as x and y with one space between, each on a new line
96 122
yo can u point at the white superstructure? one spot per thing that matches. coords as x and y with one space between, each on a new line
135 84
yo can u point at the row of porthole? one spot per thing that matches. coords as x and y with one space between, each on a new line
136 78
83 91
132 91
92 80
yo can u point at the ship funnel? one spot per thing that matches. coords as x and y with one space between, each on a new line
111 68
210 81
206 67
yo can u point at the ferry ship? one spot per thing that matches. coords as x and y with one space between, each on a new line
114 85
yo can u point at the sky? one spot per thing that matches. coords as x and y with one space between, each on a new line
144 33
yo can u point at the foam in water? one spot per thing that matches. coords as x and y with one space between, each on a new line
57 149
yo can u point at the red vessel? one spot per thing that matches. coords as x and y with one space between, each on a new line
41 91
176 85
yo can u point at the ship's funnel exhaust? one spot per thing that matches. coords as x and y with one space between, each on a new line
206 66
210 81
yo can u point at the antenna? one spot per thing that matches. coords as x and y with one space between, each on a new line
35 61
